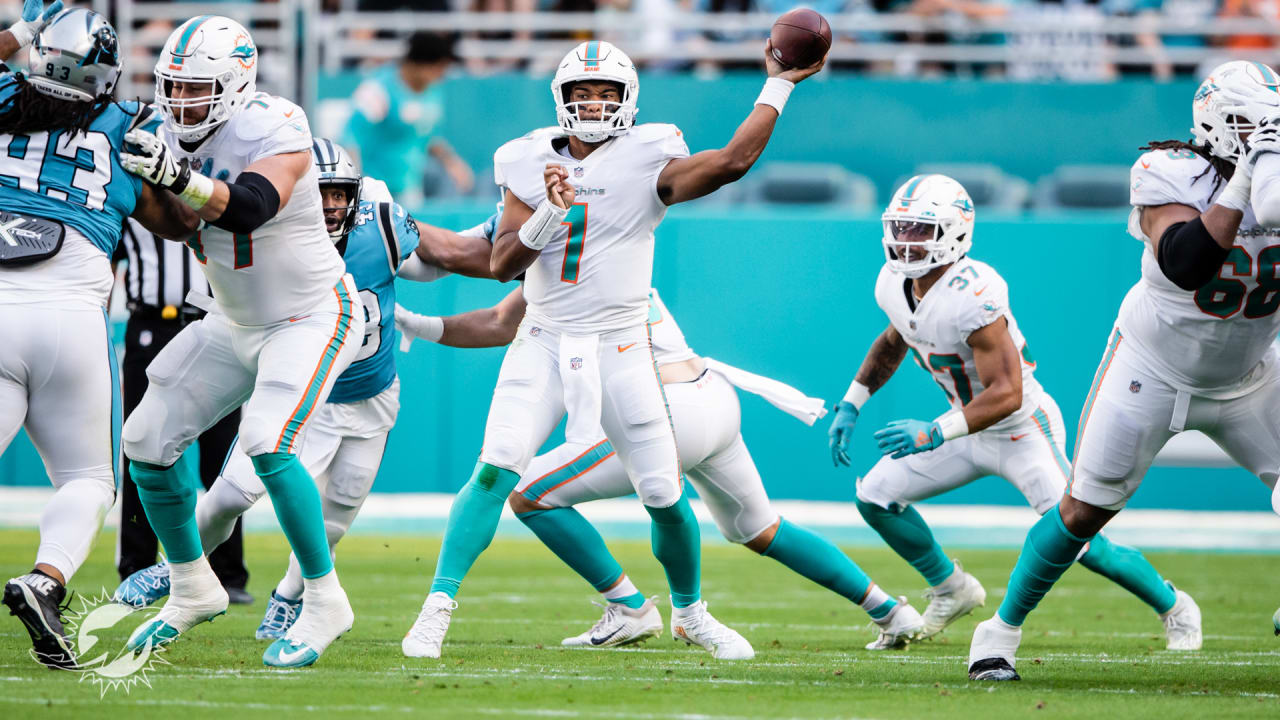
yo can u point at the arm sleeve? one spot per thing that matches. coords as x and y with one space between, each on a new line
1189 256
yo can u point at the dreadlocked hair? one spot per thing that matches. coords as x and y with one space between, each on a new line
1223 168
31 111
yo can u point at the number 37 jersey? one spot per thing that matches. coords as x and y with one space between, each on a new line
968 297
1208 342
595 273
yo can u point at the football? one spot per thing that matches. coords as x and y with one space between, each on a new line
800 38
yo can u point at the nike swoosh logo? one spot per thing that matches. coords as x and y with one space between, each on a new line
984 289
1016 438
600 641
296 319
289 656
1145 165
624 348
289 114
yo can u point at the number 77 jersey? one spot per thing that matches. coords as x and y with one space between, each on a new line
595 274
969 296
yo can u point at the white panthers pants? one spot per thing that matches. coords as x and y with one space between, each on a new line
281 373
59 379
531 397
1031 457
707 419
1130 414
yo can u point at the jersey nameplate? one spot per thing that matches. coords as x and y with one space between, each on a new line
25 240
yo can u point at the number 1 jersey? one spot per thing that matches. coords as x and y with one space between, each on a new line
594 275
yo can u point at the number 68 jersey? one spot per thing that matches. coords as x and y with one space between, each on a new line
595 273
1208 342
969 296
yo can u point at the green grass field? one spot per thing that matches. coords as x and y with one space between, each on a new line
1090 650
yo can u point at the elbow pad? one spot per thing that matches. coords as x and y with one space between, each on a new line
253 202
1189 256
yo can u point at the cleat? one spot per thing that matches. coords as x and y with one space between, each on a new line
239 596
897 629
427 634
1182 624
1275 621
34 598
620 625
326 617
994 650
695 626
195 598
947 607
281 614
145 587
994 669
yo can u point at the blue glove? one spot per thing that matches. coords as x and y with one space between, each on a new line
31 10
33 20
491 225
840 432
908 437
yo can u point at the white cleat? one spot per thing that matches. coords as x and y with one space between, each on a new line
326 614
897 629
196 596
993 652
695 626
945 607
1182 624
620 625
427 634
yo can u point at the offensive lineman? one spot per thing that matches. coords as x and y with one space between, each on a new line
286 321
63 200
707 419
1192 348
953 314
581 201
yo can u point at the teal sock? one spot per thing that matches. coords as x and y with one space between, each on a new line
297 503
675 540
473 519
909 536
634 601
1047 553
818 559
567 534
170 502
1127 567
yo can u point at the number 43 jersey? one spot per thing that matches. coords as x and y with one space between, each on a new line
968 297
1207 342
595 273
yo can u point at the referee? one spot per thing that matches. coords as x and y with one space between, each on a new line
158 276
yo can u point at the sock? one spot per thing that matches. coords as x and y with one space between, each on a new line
337 520
877 603
909 536
291 586
297 504
70 523
217 512
473 519
567 534
818 559
675 539
170 504
1127 567
625 593
1047 553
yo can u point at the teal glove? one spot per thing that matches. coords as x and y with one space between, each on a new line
840 432
491 225
908 437
33 20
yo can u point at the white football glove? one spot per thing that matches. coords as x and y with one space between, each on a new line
155 162
1266 139
33 20
415 325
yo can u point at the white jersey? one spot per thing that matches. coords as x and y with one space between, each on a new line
1211 341
288 265
594 275
968 297
669 345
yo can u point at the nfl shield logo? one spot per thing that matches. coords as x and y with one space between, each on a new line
1135 386
913 324
535 331
577 172
575 363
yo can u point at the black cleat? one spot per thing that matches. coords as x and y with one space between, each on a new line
239 596
34 598
995 669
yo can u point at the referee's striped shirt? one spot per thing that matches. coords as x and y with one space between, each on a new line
159 272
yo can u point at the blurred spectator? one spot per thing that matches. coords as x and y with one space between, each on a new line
396 114
520 37
1266 11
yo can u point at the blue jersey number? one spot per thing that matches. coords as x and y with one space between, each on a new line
59 165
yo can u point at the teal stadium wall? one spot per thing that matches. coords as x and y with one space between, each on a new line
788 292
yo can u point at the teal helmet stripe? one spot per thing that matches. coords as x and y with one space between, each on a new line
192 25
912 184
1268 76
593 53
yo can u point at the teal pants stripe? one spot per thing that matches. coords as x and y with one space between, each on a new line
321 374
117 406
591 457
1042 422
1101 373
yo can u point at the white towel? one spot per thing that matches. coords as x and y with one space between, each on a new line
778 394
580 376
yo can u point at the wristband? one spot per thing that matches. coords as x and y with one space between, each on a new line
538 230
952 424
857 395
23 32
413 325
197 192
775 93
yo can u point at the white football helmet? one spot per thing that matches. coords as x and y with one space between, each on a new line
928 224
206 49
1231 102
596 60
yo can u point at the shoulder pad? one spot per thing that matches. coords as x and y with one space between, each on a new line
374 190
515 150
655 132
1160 177
145 116
266 113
